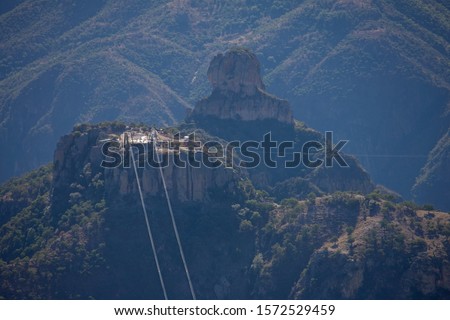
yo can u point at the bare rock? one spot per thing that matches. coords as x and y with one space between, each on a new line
239 92
237 71
183 184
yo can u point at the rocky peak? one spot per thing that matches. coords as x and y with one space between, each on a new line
239 92
236 71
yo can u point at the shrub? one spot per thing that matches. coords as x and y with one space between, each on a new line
245 226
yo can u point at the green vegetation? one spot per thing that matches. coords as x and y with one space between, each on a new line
42 249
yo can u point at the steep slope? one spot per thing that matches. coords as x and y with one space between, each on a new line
433 185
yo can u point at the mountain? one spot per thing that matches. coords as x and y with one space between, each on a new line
75 229
374 72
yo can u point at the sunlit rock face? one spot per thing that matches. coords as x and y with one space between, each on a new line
236 71
239 92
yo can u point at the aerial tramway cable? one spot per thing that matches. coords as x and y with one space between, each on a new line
149 231
172 217
175 229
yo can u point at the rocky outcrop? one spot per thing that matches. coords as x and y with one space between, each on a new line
78 157
76 161
237 71
239 92
183 184
352 178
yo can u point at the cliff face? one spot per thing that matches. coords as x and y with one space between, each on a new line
183 184
238 71
238 91
78 157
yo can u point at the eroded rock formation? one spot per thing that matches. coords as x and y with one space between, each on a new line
239 92
183 184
